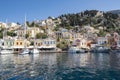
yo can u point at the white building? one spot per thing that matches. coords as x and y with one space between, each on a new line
102 40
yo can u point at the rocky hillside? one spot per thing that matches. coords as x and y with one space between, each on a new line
108 21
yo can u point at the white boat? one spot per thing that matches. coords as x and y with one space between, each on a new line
35 51
75 50
6 51
25 51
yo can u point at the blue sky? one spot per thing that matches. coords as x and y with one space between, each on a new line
15 10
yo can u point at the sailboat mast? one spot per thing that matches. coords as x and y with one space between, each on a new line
25 28
5 31
34 34
25 33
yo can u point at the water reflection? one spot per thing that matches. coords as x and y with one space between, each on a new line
77 60
48 59
115 61
60 66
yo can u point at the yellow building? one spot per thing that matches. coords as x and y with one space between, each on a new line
44 43
20 44
67 35
20 33
64 35
33 31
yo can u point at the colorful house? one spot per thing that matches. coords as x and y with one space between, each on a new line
102 41
8 43
38 43
48 44
20 44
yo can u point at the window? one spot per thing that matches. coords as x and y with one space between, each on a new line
38 44
20 43
17 43
10 43
45 42
51 42
6 43
48 42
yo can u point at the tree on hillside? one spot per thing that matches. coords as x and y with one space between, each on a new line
11 33
41 35
63 45
30 24
26 35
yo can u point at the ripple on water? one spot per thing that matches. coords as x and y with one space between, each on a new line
74 74
61 67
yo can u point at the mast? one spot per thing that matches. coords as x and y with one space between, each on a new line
25 33
34 34
25 29
5 31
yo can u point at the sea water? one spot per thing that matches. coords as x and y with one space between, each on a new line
60 66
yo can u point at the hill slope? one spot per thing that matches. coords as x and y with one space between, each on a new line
94 18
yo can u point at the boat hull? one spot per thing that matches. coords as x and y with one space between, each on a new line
35 51
6 52
75 50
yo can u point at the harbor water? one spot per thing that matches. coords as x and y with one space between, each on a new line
60 66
